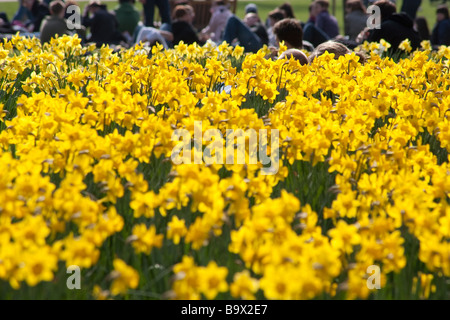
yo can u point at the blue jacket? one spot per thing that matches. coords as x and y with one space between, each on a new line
327 23
441 33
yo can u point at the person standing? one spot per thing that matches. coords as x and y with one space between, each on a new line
411 7
149 11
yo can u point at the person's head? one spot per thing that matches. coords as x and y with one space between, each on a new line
251 8
320 5
275 16
217 3
337 48
312 10
183 13
296 54
354 5
421 26
221 5
442 12
28 4
57 8
68 9
287 8
95 5
251 19
290 31
331 47
387 8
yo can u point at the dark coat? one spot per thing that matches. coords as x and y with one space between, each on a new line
395 29
104 28
441 33
183 31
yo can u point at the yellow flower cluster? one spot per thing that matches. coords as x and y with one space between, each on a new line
85 147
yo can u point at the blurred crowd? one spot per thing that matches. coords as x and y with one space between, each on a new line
125 25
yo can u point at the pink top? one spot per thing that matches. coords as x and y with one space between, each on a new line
217 23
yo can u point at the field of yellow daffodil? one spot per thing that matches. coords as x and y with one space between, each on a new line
86 177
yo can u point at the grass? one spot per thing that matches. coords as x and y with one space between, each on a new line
427 9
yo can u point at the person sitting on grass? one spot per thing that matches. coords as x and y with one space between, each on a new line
311 33
128 18
55 24
394 28
5 25
273 17
324 20
220 13
253 21
237 32
182 28
34 11
103 24
290 32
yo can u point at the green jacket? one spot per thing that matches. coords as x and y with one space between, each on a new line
51 26
128 17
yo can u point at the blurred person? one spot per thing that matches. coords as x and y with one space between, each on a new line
150 35
324 20
411 7
395 27
290 31
421 26
33 12
149 11
251 8
288 10
102 24
311 33
236 31
273 17
220 13
182 27
21 14
253 21
441 31
127 17
5 25
355 19
55 24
